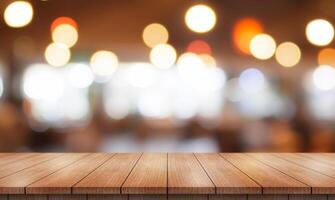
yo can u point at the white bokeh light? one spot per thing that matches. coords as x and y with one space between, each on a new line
252 81
262 46
79 75
18 14
200 18
103 65
324 77
57 54
319 32
163 56
142 75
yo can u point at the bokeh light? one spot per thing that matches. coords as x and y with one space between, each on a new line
262 46
208 60
200 18
63 20
288 54
79 75
57 54
324 77
199 47
327 57
163 56
243 32
1 87
251 81
104 64
65 34
155 34
319 32
18 14
142 75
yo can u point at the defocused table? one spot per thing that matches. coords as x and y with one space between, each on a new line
51 176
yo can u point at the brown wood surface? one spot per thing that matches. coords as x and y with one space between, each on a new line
61 181
166 176
186 176
16 183
109 177
227 178
149 176
321 184
272 180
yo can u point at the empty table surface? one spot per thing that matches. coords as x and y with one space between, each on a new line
167 174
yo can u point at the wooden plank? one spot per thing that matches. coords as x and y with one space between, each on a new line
321 184
268 197
13 157
149 176
308 197
67 197
148 197
227 197
186 176
331 197
108 178
16 183
62 181
301 160
271 180
107 197
188 197
27 197
226 177
25 162
320 157
3 197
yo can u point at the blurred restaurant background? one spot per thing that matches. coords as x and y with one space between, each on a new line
167 75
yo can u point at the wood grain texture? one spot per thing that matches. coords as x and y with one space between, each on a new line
62 181
186 176
268 197
226 177
227 197
148 197
27 197
109 177
308 197
321 184
16 183
25 162
67 197
9 158
271 180
327 169
188 197
149 176
3 197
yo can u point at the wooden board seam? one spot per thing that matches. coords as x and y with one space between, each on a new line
130 173
215 189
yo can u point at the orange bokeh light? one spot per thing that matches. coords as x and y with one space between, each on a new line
199 47
244 30
63 20
327 57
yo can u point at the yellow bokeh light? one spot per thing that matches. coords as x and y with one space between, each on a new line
262 46
104 63
65 34
319 32
18 14
208 60
327 57
155 34
288 54
57 54
200 18
163 56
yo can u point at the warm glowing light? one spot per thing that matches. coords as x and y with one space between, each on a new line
320 32
244 30
155 34
142 75
208 60
18 14
65 34
163 56
199 47
57 54
200 18
63 20
324 77
288 54
104 63
327 57
251 81
262 46
79 75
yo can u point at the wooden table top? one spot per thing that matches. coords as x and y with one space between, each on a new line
162 173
